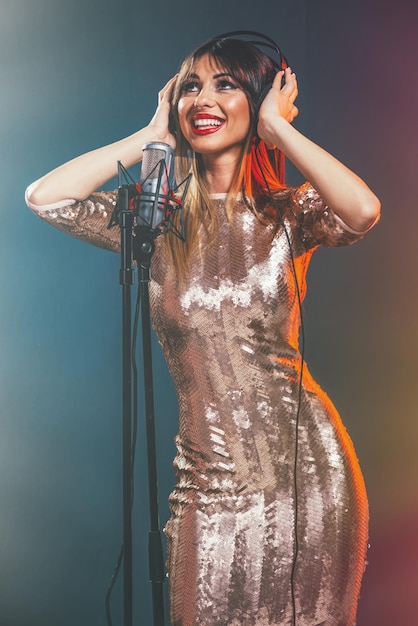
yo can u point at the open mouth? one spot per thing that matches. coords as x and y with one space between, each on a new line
203 123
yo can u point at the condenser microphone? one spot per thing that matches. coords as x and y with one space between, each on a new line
154 203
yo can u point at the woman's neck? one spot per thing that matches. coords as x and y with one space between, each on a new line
220 173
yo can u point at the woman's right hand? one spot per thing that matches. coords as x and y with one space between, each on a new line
160 121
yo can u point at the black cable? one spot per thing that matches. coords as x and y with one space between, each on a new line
297 420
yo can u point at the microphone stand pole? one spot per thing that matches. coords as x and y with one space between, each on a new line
126 279
141 248
144 247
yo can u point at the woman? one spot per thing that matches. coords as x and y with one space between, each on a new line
269 513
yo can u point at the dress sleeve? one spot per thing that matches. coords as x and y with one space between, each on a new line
87 220
318 224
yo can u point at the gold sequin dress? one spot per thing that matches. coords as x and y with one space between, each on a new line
260 454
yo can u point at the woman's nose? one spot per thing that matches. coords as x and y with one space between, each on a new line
203 98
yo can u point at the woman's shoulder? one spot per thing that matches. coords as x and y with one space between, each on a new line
303 210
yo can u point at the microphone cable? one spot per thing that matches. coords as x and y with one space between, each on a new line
300 387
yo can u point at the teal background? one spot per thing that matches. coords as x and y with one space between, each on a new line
77 74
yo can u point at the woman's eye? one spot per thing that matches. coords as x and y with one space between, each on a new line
190 86
226 84
223 84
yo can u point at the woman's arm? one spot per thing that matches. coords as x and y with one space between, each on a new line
342 190
81 176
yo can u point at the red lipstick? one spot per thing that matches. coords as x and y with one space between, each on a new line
205 123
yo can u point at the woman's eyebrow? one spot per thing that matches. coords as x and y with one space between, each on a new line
220 75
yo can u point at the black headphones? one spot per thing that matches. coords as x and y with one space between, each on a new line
260 40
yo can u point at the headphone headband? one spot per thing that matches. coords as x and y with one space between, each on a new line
262 40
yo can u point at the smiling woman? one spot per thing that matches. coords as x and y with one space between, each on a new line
269 512
214 115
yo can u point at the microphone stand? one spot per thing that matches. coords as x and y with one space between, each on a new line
126 279
151 218
141 249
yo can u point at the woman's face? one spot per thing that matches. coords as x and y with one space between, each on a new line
213 111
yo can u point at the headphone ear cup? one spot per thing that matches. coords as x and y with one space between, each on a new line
262 96
265 91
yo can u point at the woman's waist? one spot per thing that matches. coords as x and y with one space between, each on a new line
205 365
231 487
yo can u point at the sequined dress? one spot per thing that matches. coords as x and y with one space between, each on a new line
269 512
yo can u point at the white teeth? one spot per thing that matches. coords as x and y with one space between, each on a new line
207 122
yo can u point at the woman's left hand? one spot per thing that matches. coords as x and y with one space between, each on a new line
342 190
279 102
